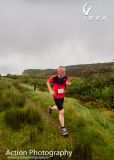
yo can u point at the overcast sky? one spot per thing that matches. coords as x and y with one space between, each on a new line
48 33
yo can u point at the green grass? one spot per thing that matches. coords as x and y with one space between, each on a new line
91 125
90 129
10 97
17 118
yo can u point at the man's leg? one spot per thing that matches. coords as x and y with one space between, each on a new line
61 117
59 104
54 108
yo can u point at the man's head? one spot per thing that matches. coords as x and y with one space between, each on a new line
61 71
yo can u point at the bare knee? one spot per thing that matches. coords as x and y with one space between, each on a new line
61 112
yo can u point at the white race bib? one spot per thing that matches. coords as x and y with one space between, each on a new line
61 90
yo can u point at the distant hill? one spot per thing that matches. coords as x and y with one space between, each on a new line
39 72
74 70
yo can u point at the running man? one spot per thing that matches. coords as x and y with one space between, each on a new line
59 81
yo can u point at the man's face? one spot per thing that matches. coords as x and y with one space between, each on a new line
62 72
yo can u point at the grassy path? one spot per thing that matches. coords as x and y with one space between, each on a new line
91 130
35 99
87 126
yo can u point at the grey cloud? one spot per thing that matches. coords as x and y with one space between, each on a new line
45 34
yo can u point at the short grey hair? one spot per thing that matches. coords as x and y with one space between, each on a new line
61 67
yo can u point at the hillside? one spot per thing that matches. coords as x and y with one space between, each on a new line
25 124
74 70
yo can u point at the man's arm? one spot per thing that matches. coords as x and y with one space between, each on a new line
52 93
68 82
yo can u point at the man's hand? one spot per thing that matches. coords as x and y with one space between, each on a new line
52 93
68 83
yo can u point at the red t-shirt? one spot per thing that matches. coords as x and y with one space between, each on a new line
59 85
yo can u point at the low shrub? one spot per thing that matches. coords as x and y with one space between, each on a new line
82 151
11 98
18 118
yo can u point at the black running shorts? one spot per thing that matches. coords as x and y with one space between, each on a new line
59 103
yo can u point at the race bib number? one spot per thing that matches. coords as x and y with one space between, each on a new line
61 90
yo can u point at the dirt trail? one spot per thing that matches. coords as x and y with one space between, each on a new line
52 122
